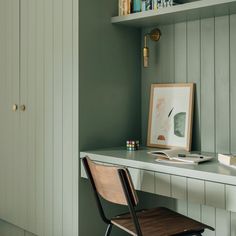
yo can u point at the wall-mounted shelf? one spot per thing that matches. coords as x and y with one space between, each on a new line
179 13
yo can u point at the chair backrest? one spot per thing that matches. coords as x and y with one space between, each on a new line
108 182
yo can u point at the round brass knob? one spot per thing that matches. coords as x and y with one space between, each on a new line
14 107
22 107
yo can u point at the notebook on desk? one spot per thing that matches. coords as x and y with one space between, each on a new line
177 156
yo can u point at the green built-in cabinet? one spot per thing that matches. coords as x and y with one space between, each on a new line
39 144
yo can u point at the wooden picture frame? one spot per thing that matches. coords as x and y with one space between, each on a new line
170 116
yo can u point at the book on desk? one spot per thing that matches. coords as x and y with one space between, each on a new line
178 156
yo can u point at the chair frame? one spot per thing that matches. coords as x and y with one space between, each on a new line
127 191
130 202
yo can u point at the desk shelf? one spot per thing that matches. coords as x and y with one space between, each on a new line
179 13
209 183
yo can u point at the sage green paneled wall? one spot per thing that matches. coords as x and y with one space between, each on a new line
203 52
109 94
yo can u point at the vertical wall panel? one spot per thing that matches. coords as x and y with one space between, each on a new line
8 93
222 83
215 194
196 190
11 97
15 6
194 76
39 121
21 168
222 222
22 182
48 116
67 117
9 90
162 184
75 115
28 97
207 86
194 211
135 175
2 104
179 191
182 207
180 53
233 223
230 198
233 81
178 187
164 55
58 122
9 136
209 218
147 181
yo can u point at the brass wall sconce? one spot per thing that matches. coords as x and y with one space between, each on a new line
154 35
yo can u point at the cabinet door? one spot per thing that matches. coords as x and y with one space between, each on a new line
9 119
34 137
48 90
31 116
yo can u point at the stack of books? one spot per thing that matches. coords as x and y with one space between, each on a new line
132 6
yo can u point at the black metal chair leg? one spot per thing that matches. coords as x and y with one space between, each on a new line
108 231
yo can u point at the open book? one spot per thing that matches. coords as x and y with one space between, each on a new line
177 156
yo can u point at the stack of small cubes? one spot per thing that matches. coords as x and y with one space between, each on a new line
132 145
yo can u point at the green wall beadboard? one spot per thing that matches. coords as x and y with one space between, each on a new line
203 52
109 95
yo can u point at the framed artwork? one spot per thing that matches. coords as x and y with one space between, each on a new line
170 116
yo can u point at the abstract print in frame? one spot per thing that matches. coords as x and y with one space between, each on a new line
170 116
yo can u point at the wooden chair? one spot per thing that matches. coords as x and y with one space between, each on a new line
115 185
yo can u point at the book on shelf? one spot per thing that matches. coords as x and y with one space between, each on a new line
124 7
227 159
179 156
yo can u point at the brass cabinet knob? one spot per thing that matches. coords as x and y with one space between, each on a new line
22 107
14 107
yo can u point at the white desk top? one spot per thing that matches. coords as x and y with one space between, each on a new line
211 171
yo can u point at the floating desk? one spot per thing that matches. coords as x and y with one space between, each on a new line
208 183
